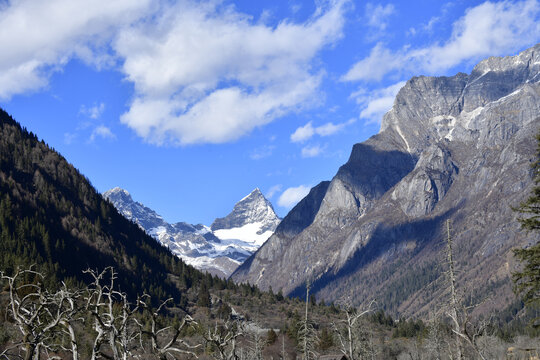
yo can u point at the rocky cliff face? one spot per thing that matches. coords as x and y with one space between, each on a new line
219 249
451 148
254 208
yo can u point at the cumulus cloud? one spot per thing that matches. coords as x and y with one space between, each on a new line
485 30
376 103
93 112
292 196
204 73
103 132
311 151
305 132
39 37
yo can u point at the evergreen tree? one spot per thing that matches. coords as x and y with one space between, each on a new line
326 340
204 296
527 281
271 337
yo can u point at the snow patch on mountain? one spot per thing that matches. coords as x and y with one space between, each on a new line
249 235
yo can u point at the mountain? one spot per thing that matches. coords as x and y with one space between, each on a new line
218 249
251 222
453 148
52 218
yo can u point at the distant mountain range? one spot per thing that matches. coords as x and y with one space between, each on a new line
453 148
218 249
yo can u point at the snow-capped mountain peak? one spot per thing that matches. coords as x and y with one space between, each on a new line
254 208
145 217
218 249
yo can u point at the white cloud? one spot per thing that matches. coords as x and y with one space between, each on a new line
431 23
292 196
374 67
93 112
311 151
273 191
295 7
377 16
376 103
204 73
305 132
411 32
103 132
331 128
39 37
485 30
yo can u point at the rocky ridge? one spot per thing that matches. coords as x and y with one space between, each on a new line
451 148
218 249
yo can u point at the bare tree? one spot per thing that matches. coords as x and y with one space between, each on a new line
69 299
39 315
470 332
435 343
283 353
454 304
224 338
307 334
466 332
256 340
113 316
166 341
47 320
352 343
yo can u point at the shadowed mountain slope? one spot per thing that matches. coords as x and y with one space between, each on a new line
52 217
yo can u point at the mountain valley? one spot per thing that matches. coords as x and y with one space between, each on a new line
451 161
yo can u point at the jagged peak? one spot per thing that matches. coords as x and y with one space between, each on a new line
505 63
253 207
255 193
429 106
255 196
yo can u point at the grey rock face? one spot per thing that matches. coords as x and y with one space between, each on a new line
428 183
198 245
303 213
145 217
451 148
254 208
298 219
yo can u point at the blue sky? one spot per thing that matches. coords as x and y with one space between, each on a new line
190 105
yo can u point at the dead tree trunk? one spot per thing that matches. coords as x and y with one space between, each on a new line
453 296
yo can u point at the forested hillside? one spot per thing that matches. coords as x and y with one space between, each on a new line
52 216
